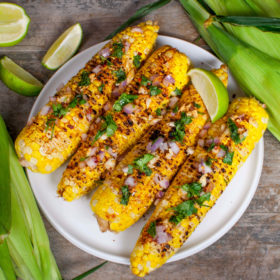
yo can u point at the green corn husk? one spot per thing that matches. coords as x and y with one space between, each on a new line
257 73
5 197
271 8
6 265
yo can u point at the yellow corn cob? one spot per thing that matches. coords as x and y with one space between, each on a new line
166 231
79 177
106 201
54 134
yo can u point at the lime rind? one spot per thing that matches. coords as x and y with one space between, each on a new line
212 91
24 22
18 79
56 55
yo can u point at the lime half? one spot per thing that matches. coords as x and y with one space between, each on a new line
64 47
212 91
14 24
17 79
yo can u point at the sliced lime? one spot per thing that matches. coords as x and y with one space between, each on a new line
212 91
64 47
17 79
14 24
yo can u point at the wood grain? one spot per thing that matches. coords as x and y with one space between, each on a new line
251 249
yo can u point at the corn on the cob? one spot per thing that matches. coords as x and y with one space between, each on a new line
54 134
199 183
168 154
168 69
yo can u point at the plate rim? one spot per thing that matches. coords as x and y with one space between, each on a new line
180 254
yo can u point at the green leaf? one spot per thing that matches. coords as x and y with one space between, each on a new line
90 271
123 100
6 265
154 90
228 158
145 81
120 74
234 132
196 105
117 50
141 163
193 189
178 92
137 60
111 125
179 131
182 211
125 195
100 88
158 112
143 11
5 183
152 229
203 198
130 169
85 80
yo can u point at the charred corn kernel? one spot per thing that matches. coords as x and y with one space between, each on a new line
97 155
168 154
54 134
199 183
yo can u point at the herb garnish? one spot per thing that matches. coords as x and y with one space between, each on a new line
182 211
130 169
192 189
137 60
117 50
154 90
175 109
209 161
179 131
204 197
196 105
85 80
109 127
158 112
152 229
229 155
58 110
78 99
123 100
145 81
177 91
50 123
100 88
234 132
83 158
141 164
211 147
120 74
125 195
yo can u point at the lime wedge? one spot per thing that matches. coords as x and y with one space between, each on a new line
14 24
212 91
17 79
64 47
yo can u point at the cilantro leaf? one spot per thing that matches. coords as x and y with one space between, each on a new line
125 195
158 112
130 169
117 50
196 105
202 198
211 147
178 92
154 90
152 229
123 100
228 158
145 81
85 80
176 109
234 132
179 131
120 74
193 189
100 88
141 163
137 60
58 110
182 211
50 124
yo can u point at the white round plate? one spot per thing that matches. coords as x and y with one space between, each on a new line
75 220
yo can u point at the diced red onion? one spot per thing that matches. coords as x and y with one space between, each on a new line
207 126
105 52
221 153
136 29
129 181
157 178
60 86
122 85
89 117
156 144
209 141
163 147
164 183
126 46
129 108
125 169
110 151
107 106
91 162
202 133
142 90
92 151
110 164
52 99
148 102
160 194
203 168
216 140
98 120
168 80
70 126
116 92
154 76
101 155
82 164
200 143
96 69
173 101
174 147
161 235
84 136
45 110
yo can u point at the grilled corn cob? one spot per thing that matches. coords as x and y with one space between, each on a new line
54 134
123 126
199 183
168 153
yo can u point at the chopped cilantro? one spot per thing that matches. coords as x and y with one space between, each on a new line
141 163
83 158
211 147
192 189
202 198
158 112
152 229
50 124
179 131
145 81
117 50
229 155
123 100
137 60
109 127
177 91
196 105
182 211
234 132
58 110
120 74
125 195
176 109
154 90
130 169
102 58
85 80
209 161
200 113
100 88
78 99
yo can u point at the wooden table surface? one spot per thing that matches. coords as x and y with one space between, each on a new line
250 250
